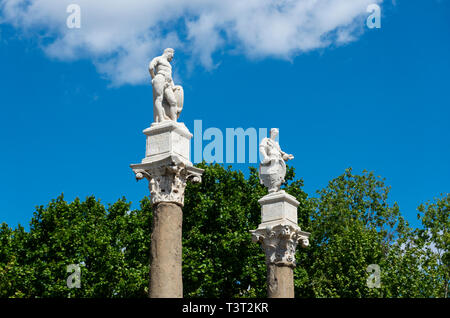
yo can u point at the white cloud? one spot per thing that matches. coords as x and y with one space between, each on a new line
120 37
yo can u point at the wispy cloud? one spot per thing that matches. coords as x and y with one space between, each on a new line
121 36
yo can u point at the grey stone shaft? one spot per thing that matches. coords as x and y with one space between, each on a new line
280 281
166 252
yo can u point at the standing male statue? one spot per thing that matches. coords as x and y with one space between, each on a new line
167 97
272 169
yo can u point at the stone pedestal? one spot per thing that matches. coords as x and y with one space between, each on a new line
167 168
279 235
167 139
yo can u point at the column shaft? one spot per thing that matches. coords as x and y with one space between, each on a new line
280 281
166 252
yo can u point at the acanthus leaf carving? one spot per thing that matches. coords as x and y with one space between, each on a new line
168 182
280 242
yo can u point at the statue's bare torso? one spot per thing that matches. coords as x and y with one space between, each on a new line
167 98
162 67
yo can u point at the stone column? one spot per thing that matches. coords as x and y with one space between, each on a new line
168 169
166 252
279 235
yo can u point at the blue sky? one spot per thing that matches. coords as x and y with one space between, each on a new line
378 101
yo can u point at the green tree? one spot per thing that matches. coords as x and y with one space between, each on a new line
111 248
351 222
352 227
15 277
434 239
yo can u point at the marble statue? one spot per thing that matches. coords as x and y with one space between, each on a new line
272 168
168 98
278 233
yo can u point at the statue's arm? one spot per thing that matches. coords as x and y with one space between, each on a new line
262 150
151 67
285 155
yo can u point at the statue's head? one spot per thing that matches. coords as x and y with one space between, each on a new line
169 52
273 133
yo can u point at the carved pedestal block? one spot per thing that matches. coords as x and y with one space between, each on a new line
279 235
166 165
278 208
166 139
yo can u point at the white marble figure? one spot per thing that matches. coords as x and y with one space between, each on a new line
272 168
168 98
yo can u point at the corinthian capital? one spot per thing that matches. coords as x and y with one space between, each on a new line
280 242
167 179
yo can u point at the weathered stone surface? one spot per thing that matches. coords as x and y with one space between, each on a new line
167 139
278 232
167 168
166 252
280 242
280 281
278 207
166 165
167 178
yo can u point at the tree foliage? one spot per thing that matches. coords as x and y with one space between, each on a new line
351 221
110 245
434 240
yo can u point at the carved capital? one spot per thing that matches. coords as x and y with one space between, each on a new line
280 242
167 182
